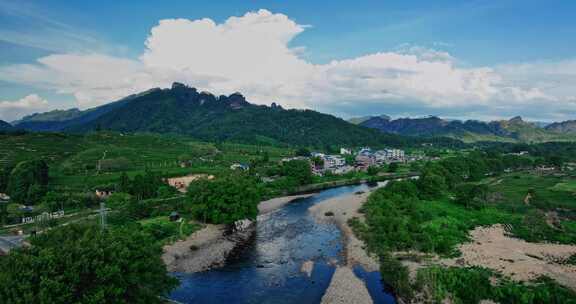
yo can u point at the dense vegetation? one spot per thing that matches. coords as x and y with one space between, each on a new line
27 181
82 264
473 284
453 196
223 200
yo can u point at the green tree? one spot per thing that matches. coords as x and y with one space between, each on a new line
118 200
302 152
223 200
298 170
471 195
393 167
28 181
431 186
82 264
372 171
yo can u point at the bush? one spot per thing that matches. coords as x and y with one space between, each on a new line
82 264
223 200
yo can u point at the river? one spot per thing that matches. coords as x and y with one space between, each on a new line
267 270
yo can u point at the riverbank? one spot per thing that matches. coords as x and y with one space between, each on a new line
492 248
339 210
345 287
203 250
209 247
278 202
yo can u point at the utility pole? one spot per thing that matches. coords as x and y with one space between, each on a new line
103 216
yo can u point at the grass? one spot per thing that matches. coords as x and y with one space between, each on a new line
166 231
74 159
569 186
513 188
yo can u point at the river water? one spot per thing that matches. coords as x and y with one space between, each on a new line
267 270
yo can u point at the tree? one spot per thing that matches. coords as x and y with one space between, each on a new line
372 171
124 184
298 170
82 264
471 195
318 162
28 181
3 212
431 186
223 200
303 152
393 167
4 177
118 200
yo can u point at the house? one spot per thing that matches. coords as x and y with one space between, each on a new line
103 194
239 166
287 159
9 242
317 154
342 170
389 155
333 161
174 216
345 151
363 161
4 198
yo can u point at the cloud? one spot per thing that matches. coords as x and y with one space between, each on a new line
254 54
11 110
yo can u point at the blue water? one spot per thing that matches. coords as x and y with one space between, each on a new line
268 269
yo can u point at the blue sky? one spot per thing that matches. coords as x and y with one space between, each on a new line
459 59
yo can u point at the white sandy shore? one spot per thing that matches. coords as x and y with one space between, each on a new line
276 203
344 208
345 287
523 261
208 247
204 249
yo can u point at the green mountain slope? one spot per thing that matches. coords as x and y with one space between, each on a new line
183 110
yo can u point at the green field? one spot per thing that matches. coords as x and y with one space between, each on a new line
81 162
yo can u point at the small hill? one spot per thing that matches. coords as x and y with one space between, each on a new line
359 120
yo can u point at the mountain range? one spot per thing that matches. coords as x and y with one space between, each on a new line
5 127
183 110
513 130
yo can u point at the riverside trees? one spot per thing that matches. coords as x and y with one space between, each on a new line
434 214
223 200
83 264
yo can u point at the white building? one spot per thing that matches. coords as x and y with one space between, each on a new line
345 151
333 161
389 155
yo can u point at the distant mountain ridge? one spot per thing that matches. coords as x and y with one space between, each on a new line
5 127
568 126
183 110
514 129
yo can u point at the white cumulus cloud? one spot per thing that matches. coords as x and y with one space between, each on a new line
253 54
11 110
